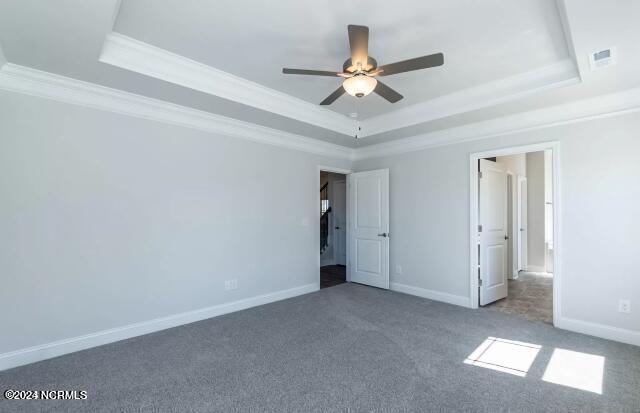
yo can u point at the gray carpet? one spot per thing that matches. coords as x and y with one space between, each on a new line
345 348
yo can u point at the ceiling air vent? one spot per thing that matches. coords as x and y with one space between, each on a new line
602 58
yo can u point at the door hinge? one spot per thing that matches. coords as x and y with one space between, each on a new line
479 228
480 174
480 282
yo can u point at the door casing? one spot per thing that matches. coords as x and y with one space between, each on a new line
554 146
521 226
340 236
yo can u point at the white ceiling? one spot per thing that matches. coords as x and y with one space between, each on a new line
485 45
490 40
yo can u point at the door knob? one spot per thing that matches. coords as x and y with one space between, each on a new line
384 235
337 227
521 229
506 237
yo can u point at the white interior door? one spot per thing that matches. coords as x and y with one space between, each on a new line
493 232
340 221
522 223
368 232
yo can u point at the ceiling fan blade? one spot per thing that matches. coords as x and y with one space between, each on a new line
332 97
417 63
359 44
387 93
288 71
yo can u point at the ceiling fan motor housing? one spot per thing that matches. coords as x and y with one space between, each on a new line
350 68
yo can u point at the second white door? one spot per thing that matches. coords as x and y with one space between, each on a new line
493 232
368 232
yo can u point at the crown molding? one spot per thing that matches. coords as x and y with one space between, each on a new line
561 6
597 107
560 74
130 54
34 82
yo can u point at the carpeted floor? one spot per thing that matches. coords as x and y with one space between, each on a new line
345 348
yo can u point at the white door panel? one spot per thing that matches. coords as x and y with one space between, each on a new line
522 223
493 233
368 203
369 228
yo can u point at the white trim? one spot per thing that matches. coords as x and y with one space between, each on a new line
536 268
513 177
334 170
522 246
561 6
563 73
33 82
599 330
430 294
70 345
578 111
327 261
557 223
131 54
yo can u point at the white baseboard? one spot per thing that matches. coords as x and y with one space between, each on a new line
430 294
536 268
70 345
600 330
328 261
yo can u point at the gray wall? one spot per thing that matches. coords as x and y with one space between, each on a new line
3 60
109 220
600 193
535 211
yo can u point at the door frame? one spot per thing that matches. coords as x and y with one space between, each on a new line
521 246
512 206
554 146
316 221
332 230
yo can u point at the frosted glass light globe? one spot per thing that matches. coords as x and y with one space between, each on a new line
359 85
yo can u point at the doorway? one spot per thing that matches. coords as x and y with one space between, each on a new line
514 231
354 234
333 225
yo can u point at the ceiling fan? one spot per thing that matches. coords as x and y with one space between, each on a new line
360 70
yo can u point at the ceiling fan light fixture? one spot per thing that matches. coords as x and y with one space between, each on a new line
359 85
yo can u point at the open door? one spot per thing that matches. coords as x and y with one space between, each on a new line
492 232
369 228
522 223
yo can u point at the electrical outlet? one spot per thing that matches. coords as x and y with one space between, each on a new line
624 306
231 284
398 269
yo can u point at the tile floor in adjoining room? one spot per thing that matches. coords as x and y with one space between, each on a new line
530 295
